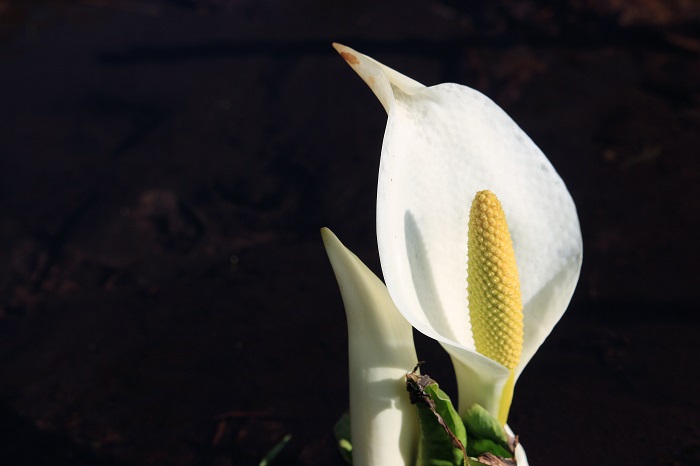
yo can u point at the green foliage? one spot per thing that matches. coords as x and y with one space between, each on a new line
341 431
443 435
274 451
485 433
480 446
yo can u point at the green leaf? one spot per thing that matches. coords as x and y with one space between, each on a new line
444 407
274 451
481 424
443 436
341 431
481 446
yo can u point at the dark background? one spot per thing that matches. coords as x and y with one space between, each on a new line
165 167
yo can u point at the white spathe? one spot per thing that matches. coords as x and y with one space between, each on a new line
443 144
383 423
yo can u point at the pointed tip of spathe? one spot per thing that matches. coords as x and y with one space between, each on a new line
362 64
370 71
339 255
340 47
335 249
348 54
328 236
381 79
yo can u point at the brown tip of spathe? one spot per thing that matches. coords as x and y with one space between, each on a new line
346 54
350 58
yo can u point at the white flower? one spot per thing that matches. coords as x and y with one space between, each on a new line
443 144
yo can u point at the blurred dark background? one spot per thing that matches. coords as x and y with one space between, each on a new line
165 167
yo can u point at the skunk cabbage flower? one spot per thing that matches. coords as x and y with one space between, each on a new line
384 425
442 145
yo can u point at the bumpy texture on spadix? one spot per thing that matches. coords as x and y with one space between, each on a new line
495 306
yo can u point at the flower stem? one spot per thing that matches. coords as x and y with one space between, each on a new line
506 398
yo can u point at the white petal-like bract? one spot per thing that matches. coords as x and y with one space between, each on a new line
443 144
384 424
